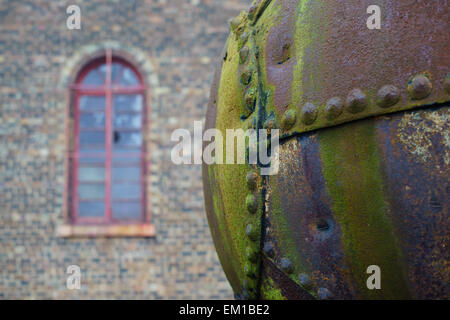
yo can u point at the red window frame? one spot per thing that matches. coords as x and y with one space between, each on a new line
107 90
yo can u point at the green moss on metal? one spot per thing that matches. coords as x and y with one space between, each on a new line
270 18
269 291
225 250
282 231
351 167
304 32
230 195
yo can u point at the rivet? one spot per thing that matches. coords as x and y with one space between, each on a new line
256 51
252 179
447 83
387 96
269 124
356 101
333 108
251 232
309 113
243 54
269 250
249 284
286 265
250 99
251 254
249 270
251 203
419 87
235 22
246 76
252 11
288 119
244 37
324 293
304 280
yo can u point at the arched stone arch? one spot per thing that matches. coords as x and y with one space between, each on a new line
88 52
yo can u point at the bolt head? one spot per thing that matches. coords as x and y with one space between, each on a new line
269 124
250 270
269 249
356 101
252 180
289 119
252 12
250 99
387 96
235 22
251 203
251 254
251 232
243 54
447 84
246 76
304 280
244 37
309 113
286 265
419 87
334 108
324 293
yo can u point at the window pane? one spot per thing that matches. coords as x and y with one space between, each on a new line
92 120
91 209
88 103
123 138
94 78
92 137
102 71
129 78
127 120
91 191
98 151
127 102
126 191
126 173
95 174
127 155
115 73
126 210
92 155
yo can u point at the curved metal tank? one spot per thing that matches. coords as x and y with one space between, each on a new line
364 151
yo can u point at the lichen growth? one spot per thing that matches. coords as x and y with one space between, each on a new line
416 129
270 291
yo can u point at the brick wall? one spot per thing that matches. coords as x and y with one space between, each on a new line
177 43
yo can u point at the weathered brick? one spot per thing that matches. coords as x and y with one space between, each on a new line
176 43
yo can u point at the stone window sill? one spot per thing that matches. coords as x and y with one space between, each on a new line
79 231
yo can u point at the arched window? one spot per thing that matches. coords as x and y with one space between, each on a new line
107 170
